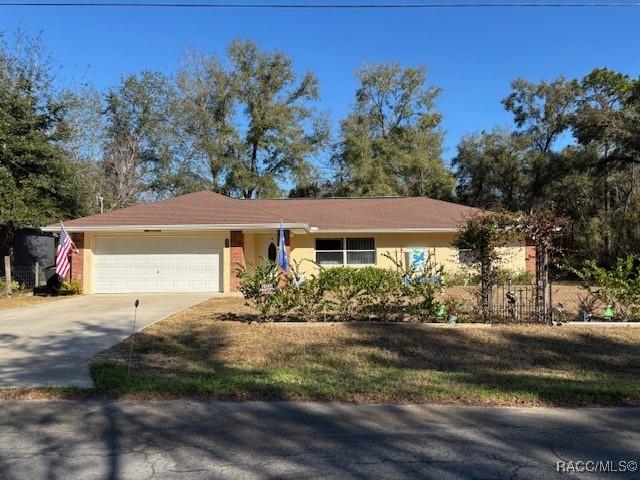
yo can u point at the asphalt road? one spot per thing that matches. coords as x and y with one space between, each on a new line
173 440
50 343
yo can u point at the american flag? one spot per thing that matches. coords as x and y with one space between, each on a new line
62 254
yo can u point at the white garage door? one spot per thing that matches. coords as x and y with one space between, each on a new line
157 264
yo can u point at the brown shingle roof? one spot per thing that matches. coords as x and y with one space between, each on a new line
199 208
208 208
371 212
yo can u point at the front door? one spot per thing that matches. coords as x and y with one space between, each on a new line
268 249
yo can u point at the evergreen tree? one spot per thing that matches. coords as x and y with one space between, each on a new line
39 184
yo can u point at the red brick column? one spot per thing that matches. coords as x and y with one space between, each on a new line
77 258
530 258
237 258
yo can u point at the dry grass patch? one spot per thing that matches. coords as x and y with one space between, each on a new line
201 353
566 293
24 301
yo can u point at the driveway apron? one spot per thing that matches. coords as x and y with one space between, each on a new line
50 344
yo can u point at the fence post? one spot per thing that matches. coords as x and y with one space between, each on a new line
7 273
36 272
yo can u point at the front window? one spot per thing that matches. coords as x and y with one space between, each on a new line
345 251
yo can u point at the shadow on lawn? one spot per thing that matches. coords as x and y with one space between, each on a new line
187 364
376 362
565 367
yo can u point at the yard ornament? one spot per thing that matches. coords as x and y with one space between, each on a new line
608 312
418 259
133 331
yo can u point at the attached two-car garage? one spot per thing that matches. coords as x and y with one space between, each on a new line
157 264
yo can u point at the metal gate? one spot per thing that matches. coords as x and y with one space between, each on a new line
514 304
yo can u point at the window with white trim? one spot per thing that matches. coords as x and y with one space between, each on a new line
346 251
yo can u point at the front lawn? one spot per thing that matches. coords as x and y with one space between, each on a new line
205 352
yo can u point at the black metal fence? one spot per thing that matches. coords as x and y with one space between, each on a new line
514 304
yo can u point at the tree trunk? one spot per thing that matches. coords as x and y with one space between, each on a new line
9 235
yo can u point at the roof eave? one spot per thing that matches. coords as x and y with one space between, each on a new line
252 226
386 230
177 228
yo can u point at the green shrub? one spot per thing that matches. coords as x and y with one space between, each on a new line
505 276
421 289
15 286
308 294
70 287
462 278
344 293
501 276
384 291
261 285
618 286
345 290
422 296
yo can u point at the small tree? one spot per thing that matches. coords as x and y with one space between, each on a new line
619 285
480 238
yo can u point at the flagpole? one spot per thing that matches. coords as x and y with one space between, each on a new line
76 249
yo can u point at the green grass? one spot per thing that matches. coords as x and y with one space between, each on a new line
379 385
197 355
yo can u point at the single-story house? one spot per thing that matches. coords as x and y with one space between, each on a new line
194 242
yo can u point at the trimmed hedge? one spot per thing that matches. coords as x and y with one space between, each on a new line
345 294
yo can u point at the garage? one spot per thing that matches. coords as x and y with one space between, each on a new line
141 264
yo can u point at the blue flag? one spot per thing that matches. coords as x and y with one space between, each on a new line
282 252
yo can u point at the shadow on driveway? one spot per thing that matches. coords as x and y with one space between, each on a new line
50 344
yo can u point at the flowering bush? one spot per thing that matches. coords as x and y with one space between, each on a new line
342 293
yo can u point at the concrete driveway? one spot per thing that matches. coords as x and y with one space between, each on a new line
50 344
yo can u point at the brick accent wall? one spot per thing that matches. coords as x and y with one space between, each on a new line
237 257
530 258
77 258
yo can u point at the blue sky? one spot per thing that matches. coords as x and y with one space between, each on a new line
471 54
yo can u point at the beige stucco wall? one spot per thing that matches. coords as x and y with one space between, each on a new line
256 245
303 250
396 244
89 240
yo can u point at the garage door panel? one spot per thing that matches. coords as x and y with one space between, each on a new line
160 264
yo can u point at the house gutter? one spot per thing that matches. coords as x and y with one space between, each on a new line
247 227
177 227
385 230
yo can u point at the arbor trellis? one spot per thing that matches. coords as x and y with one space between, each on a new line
543 227
480 238
483 234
